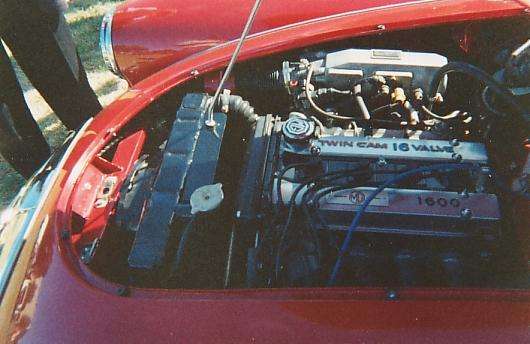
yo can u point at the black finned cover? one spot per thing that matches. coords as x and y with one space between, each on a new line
189 161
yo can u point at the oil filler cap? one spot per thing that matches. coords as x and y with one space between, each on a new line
298 128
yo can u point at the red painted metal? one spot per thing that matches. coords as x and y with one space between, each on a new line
89 217
148 36
69 303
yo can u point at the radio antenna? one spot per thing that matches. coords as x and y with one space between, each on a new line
210 121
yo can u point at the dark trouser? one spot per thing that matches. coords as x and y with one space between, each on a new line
44 49
21 141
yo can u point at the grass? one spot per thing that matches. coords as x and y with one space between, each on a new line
84 18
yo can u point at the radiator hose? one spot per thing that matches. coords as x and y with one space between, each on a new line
479 75
237 106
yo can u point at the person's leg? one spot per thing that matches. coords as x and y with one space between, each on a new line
21 141
48 57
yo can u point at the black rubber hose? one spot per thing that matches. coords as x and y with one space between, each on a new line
281 176
182 245
482 76
238 106
250 79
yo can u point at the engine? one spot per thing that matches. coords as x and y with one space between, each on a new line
357 182
430 226
322 178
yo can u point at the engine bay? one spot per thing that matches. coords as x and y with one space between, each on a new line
344 167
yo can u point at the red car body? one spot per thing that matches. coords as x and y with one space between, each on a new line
57 299
146 37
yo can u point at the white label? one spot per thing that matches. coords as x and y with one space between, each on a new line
386 54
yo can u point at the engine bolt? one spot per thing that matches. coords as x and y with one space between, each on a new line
210 122
456 157
466 213
392 295
315 150
381 162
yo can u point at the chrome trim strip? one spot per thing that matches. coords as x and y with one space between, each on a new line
33 210
105 43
